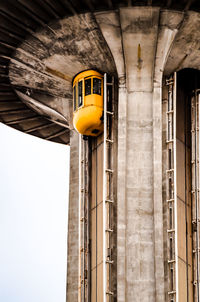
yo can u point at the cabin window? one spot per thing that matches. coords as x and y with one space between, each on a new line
96 86
87 86
80 93
74 97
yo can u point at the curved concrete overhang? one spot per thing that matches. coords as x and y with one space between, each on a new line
43 44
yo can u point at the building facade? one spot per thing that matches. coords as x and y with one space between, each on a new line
141 243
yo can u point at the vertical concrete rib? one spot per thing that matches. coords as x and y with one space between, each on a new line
139 36
110 25
73 222
166 35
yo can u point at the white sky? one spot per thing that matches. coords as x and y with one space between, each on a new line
33 218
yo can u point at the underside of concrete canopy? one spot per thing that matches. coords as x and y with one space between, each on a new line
43 44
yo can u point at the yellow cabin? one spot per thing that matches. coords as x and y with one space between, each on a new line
88 103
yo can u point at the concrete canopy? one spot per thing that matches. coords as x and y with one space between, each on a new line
43 44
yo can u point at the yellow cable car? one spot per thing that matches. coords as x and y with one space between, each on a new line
88 103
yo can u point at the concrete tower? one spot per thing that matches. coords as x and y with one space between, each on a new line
151 49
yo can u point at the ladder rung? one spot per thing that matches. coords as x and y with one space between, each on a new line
170 200
195 282
109 293
83 219
169 141
109 201
170 170
170 82
171 231
194 191
173 292
109 261
109 141
171 261
110 112
196 250
171 111
109 230
109 170
194 221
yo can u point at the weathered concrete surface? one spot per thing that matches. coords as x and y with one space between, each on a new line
60 51
186 48
144 42
147 38
73 222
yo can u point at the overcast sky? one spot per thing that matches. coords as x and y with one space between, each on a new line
33 218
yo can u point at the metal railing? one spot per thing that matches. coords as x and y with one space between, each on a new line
84 257
195 169
171 191
108 199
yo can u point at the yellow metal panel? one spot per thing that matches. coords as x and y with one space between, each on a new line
85 74
87 119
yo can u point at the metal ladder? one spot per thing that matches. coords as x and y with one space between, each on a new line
195 167
171 190
108 199
84 257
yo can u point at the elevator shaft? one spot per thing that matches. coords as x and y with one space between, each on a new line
96 201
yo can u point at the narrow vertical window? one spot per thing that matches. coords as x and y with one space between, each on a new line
74 97
80 93
96 86
88 87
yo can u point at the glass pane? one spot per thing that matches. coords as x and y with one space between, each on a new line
75 98
87 86
80 95
96 86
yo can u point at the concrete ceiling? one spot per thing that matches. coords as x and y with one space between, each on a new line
43 44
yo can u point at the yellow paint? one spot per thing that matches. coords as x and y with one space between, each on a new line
139 57
87 119
58 74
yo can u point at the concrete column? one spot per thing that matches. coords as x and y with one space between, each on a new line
139 36
146 35
73 221
167 31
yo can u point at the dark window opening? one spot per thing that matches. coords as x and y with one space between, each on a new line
80 94
87 86
96 86
75 98
95 131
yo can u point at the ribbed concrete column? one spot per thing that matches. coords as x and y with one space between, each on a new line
73 221
146 38
139 36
